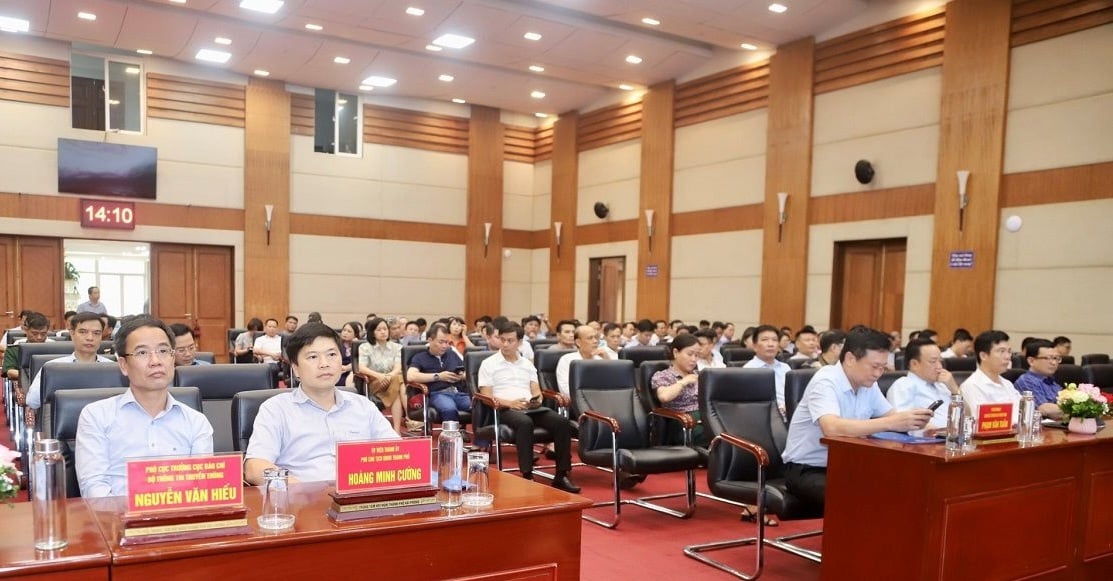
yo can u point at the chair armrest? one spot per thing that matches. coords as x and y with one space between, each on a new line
741 443
560 399
685 419
489 401
609 421
419 387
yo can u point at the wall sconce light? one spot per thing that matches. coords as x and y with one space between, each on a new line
782 200
270 212
649 227
963 176
556 228
486 237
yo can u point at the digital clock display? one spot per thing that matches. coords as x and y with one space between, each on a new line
107 214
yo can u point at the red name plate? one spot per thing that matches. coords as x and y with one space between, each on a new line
383 465
187 482
994 417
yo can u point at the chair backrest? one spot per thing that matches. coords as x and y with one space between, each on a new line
541 344
607 387
1068 373
218 384
743 403
14 335
799 363
476 348
57 376
887 379
643 379
232 334
960 363
898 362
37 362
546 361
796 381
408 352
1094 359
1067 360
481 415
245 406
68 404
206 356
648 353
1099 374
29 350
961 376
736 353
1012 374
1019 361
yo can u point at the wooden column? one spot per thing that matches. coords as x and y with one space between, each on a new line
971 137
562 267
266 175
483 280
788 168
655 254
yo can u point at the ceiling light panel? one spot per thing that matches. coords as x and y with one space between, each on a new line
87 16
415 11
341 60
10 24
264 6
778 8
456 41
213 56
378 81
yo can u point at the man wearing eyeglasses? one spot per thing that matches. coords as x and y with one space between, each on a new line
1043 362
35 328
145 421
185 346
86 330
986 385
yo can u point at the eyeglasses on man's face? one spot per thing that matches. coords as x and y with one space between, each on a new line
146 354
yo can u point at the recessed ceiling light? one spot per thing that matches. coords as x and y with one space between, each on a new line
265 6
213 56
222 40
634 59
9 24
433 48
87 16
377 81
341 60
650 21
537 68
458 100
453 41
178 1
748 46
626 87
262 73
132 70
537 94
414 11
778 8
541 115
144 51
366 88
446 78
532 36
314 27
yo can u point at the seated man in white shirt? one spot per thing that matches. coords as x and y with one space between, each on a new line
927 382
512 380
766 346
807 343
611 339
299 428
86 329
842 400
962 345
565 334
709 355
645 336
268 346
587 347
143 422
986 385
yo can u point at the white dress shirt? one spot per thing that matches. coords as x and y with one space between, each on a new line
35 392
979 389
912 392
507 379
780 369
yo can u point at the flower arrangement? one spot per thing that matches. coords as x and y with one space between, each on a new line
9 476
1082 401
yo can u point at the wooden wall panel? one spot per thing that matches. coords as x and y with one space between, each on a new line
657 155
543 143
1052 186
722 94
1036 20
483 282
302 114
971 137
32 79
610 125
519 143
68 209
889 49
562 266
526 239
266 176
788 168
873 205
186 99
732 219
416 129
345 227
604 232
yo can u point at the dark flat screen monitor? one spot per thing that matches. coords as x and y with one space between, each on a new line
107 169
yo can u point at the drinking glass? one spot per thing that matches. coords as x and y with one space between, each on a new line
478 491
276 502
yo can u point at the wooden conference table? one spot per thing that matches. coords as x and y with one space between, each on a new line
531 532
1003 511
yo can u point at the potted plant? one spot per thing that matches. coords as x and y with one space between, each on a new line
9 476
1082 404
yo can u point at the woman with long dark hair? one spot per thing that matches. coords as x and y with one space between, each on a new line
348 334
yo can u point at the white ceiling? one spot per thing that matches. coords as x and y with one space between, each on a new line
583 47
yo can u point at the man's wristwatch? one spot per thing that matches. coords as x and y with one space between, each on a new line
436 377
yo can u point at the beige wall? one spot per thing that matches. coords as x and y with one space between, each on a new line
717 277
720 163
610 175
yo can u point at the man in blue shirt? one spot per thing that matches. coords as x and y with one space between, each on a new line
442 370
1043 362
185 346
842 400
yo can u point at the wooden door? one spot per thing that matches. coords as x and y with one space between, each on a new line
9 307
193 285
32 270
87 103
606 289
868 285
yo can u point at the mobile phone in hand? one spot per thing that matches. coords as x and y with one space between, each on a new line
935 405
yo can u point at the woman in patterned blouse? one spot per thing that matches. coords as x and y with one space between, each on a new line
678 386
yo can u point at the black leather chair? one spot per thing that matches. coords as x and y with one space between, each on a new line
1067 360
887 379
1012 374
540 344
739 408
71 376
107 348
614 433
796 381
641 354
1070 374
1094 359
1019 361
960 363
733 353
37 362
13 335
219 383
206 356
68 404
799 363
546 363
898 362
961 376
422 411
1099 374
245 406
232 334
658 426
29 350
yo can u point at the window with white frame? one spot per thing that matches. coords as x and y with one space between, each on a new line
338 119
106 94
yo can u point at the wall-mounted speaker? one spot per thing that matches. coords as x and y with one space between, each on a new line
863 171
601 210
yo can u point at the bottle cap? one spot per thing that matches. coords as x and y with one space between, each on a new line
450 425
47 446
